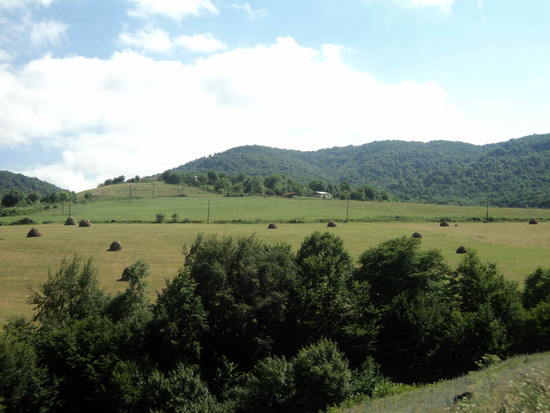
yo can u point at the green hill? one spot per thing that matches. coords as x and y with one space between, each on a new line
25 184
514 173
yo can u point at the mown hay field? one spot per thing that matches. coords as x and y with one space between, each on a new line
517 247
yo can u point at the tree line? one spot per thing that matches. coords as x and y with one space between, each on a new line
275 184
15 197
246 326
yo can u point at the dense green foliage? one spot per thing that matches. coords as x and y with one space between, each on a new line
275 184
246 326
514 173
11 181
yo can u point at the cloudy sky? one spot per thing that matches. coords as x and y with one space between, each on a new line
92 89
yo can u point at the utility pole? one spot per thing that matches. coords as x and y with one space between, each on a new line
153 190
130 197
208 216
347 213
69 208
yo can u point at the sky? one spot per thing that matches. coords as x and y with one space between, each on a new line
95 89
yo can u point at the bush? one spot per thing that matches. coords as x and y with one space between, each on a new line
271 386
160 218
322 377
24 221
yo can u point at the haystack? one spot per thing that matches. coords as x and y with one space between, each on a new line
331 224
417 235
115 246
272 226
461 250
443 223
125 275
85 223
533 222
70 221
35 232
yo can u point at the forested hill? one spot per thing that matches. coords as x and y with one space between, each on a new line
25 184
513 173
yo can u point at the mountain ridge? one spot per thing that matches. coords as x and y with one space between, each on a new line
512 173
11 180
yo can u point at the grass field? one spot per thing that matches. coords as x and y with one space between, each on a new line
517 247
200 206
519 384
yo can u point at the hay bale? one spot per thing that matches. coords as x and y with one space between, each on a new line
443 223
35 232
70 221
272 226
125 275
331 224
85 223
461 250
115 246
533 222
417 235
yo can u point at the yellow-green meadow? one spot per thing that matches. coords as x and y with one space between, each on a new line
517 247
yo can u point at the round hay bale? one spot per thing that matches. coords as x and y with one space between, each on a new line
272 226
70 221
35 232
85 223
115 246
533 222
461 250
417 235
331 224
443 223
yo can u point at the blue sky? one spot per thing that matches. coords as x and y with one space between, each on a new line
92 89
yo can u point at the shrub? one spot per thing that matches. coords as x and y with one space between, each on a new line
322 376
160 218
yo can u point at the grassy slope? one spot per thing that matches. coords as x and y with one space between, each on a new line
520 384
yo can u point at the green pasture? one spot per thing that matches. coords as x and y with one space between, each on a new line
517 247
218 209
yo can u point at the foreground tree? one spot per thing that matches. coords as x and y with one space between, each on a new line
244 286
330 302
72 292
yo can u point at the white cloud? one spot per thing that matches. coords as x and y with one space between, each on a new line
47 32
200 43
154 40
4 56
444 5
252 14
172 9
133 115
21 4
159 41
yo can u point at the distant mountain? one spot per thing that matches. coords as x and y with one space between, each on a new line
513 173
10 180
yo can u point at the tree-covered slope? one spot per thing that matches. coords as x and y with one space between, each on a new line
513 173
25 184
